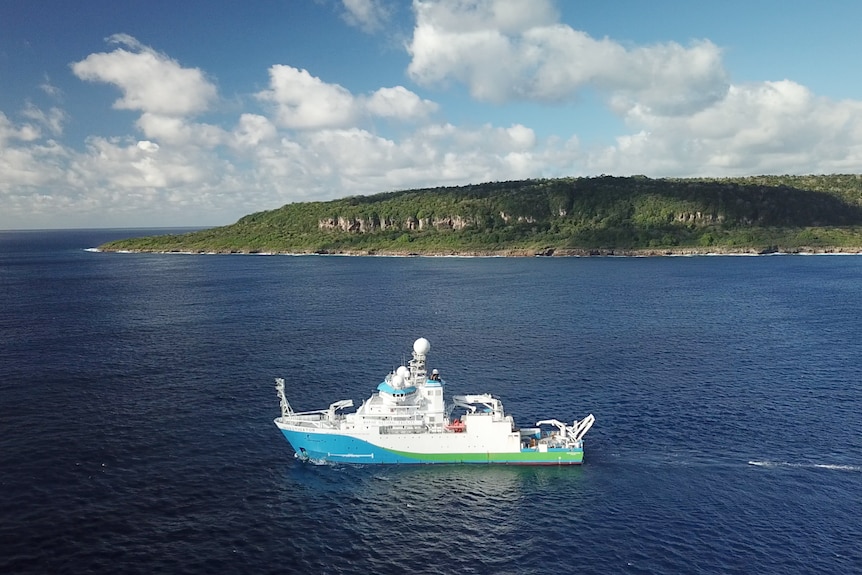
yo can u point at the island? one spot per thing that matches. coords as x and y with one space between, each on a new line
584 216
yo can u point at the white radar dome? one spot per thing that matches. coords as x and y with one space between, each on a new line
403 371
421 346
397 381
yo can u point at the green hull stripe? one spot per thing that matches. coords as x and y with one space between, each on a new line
522 457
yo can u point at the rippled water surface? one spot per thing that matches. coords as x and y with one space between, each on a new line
136 407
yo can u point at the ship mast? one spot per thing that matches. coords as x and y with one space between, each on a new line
286 410
421 347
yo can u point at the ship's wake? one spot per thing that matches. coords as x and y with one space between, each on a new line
831 466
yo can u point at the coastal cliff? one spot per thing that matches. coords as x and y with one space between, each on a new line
564 216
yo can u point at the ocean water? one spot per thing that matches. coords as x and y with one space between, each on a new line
136 408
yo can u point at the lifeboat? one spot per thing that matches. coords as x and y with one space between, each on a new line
456 426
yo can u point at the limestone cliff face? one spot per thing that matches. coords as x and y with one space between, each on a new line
699 218
523 219
355 225
448 222
363 225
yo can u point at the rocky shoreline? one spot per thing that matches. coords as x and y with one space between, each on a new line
549 252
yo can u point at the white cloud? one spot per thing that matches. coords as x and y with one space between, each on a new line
135 165
507 17
148 146
52 119
521 137
506 50
179 132
399 103
24 133
29 166
767 127
150 81
438 154
368 15
306 102
50 89
253 130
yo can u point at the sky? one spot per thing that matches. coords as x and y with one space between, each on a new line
195 113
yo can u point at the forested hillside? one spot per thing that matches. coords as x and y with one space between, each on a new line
554 216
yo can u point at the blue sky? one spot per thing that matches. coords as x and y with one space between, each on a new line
195 113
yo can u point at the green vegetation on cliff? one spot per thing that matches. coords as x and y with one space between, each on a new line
565 215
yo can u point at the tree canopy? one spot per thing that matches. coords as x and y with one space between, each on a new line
553 216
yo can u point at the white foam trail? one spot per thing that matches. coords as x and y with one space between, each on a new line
839 467
832 466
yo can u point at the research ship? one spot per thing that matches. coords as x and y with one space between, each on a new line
408 420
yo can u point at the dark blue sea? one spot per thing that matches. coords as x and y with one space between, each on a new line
137 399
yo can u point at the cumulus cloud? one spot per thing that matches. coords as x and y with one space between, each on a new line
764 127
400 103
507 50
253 130
26 167
508 17
23 132
305 102
433 155
368 15
150 81
179 131
138 165
148 146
